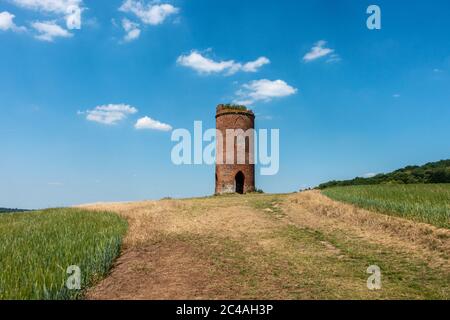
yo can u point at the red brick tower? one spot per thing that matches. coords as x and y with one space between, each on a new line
239 175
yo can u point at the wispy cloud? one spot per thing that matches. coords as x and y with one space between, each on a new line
147 123
151 13
49 30
263 90
132 30
369 175
253 66
70 10
396 95
109 114
55 184
319 50
7 22
333 58
198 62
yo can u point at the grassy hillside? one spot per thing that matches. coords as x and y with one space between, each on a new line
258 246
37 247
263 246
433 172
424 203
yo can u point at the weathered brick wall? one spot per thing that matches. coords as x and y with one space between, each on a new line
226 173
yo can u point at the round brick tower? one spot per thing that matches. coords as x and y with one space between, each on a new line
237 175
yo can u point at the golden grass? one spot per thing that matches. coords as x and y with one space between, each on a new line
297 246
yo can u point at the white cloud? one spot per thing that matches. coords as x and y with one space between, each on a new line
7 22
109 114
57 6
196 61
151 124
263 90
49 30
253 66
369 175
132 30
317 51
149 13
69 9
202 64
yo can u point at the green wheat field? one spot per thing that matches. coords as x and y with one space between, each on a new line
36 248
429 203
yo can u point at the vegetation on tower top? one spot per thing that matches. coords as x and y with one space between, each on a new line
231 106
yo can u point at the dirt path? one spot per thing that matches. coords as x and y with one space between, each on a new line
297 246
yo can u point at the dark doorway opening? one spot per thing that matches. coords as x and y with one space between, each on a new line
239 182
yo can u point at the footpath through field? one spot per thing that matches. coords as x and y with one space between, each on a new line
296 246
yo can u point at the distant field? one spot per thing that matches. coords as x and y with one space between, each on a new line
37 247
429 203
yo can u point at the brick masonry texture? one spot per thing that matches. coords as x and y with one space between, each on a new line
228 178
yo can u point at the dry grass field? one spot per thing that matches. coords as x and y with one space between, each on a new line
295 246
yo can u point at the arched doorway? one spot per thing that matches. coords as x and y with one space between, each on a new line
239 182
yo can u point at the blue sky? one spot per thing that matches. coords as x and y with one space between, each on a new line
76 76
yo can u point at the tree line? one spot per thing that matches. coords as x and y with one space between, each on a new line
433 172
8 210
